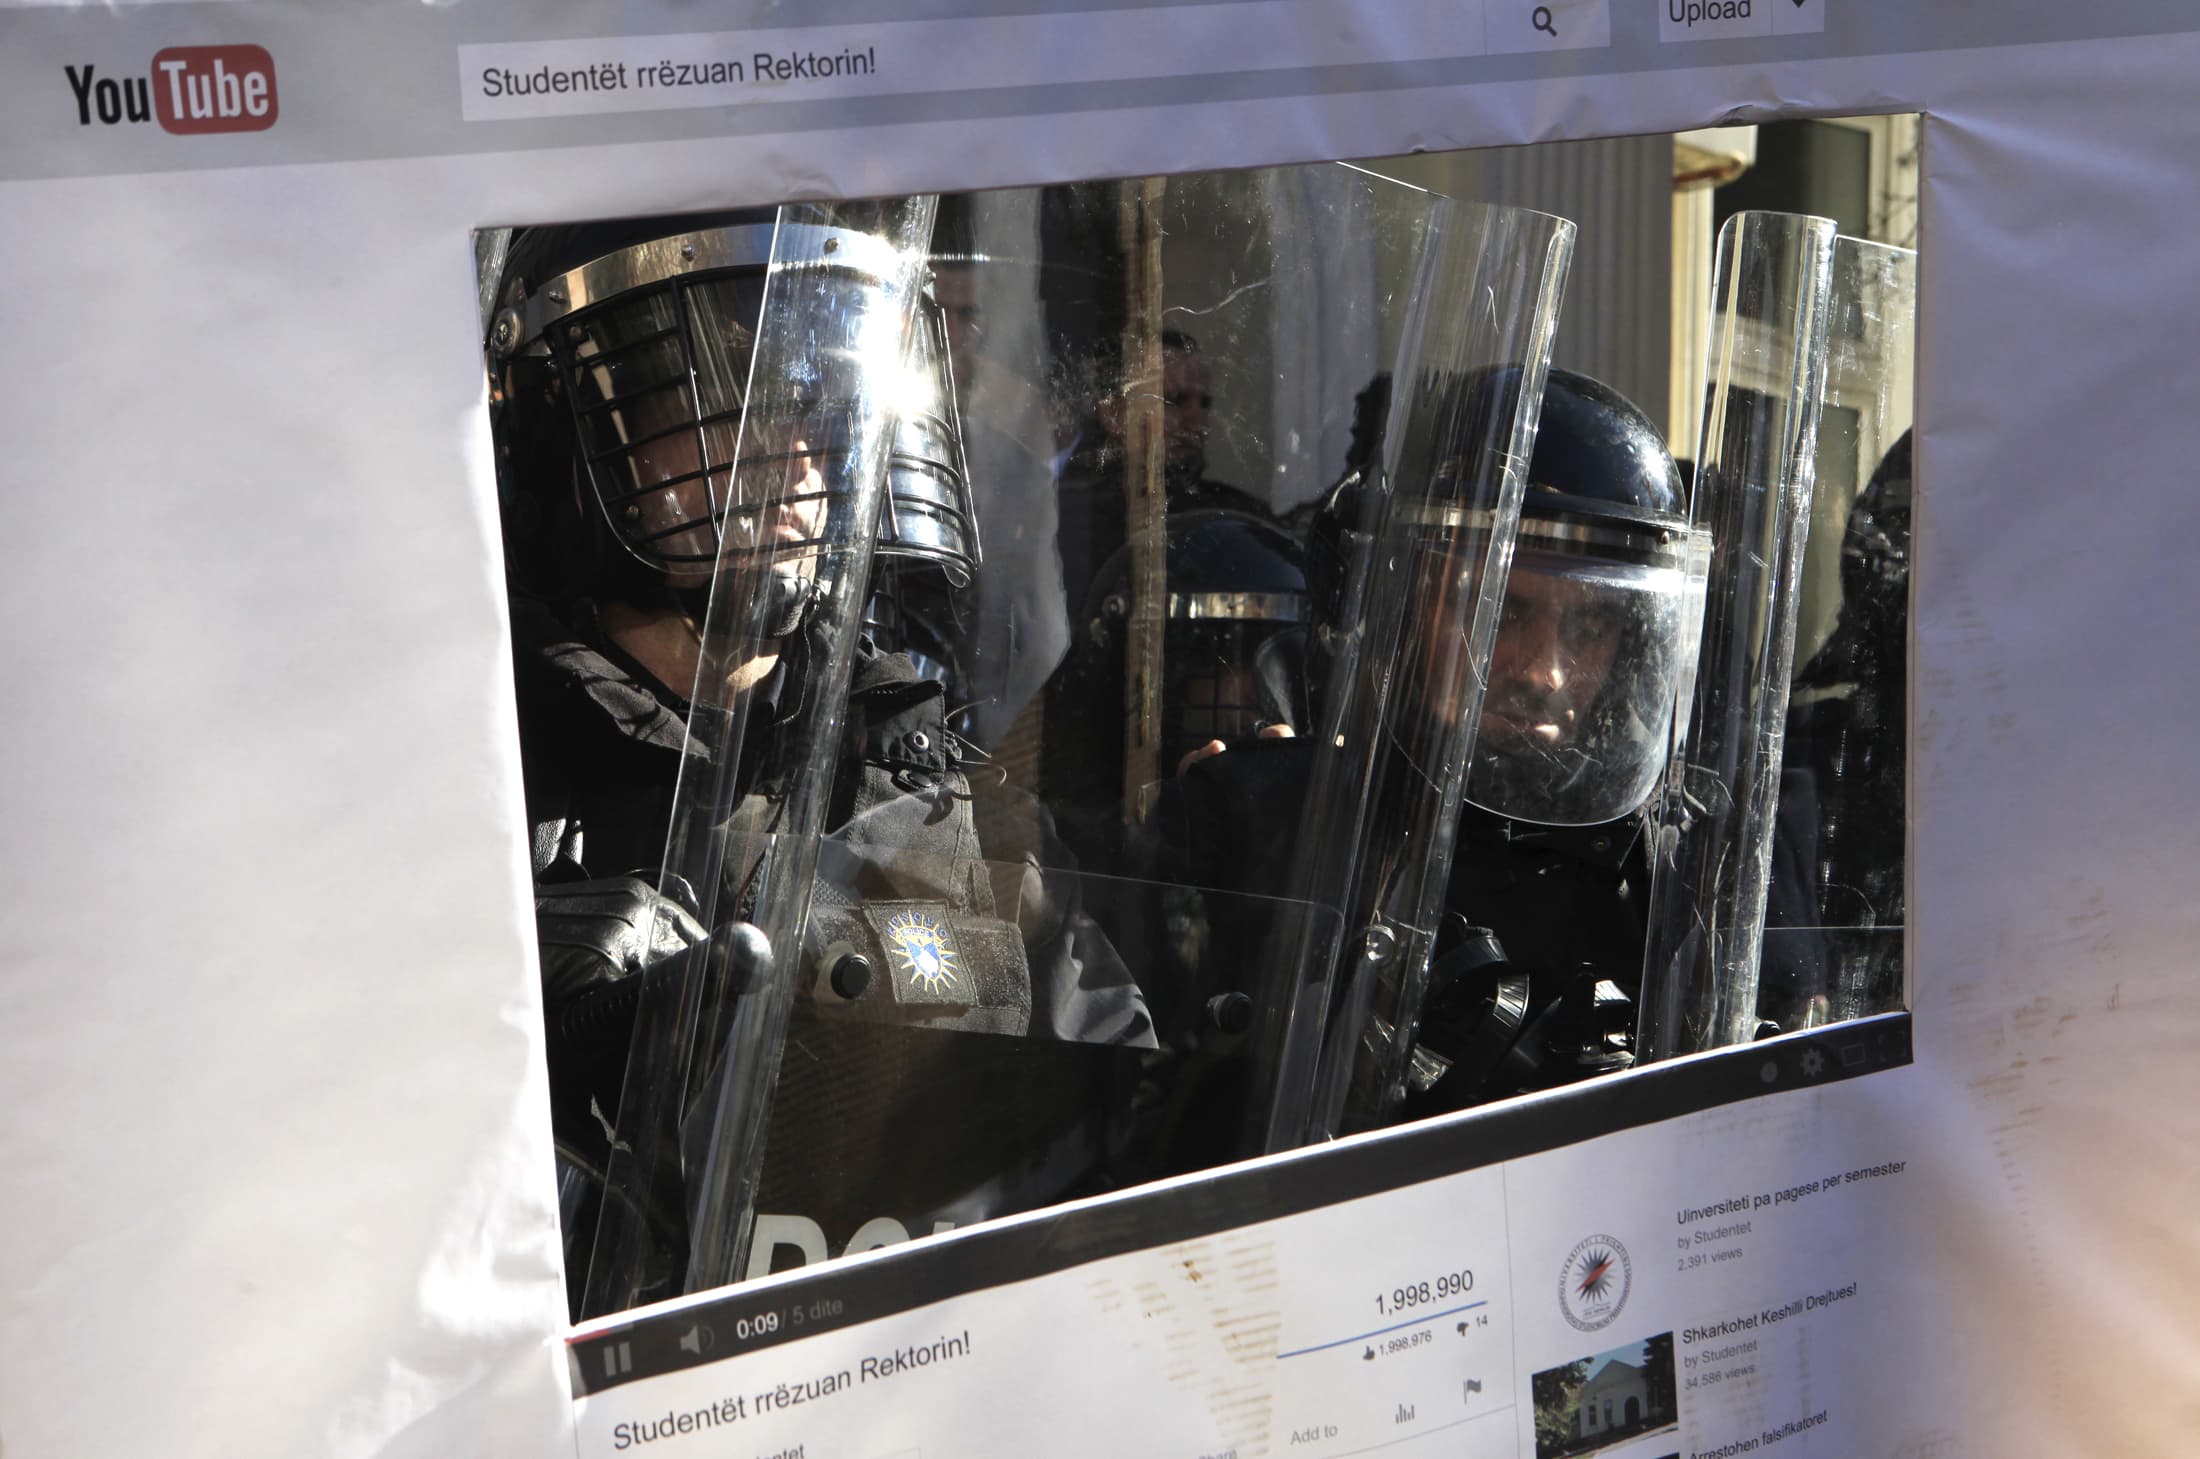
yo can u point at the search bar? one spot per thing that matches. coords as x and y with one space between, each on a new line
1515 28
522 79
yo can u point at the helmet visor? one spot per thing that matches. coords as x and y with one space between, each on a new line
656 365
1577 718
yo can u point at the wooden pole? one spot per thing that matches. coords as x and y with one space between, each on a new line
1145 499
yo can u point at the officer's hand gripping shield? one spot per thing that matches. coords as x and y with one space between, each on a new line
1754 473
781 390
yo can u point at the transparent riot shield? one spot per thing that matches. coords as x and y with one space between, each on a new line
1062 937
1835 910
1425 555
1754 473
743 387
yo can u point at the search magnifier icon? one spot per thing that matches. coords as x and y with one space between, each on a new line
1541 20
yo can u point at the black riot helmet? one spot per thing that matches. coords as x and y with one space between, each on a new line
1602 608
1234 581
620 355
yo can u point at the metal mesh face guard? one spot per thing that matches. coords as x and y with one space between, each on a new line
1211 641
930 517
653 346
1233 582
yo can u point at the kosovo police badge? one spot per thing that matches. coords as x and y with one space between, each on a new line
924 952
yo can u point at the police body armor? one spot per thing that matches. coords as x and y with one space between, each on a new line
955 1011
1536 975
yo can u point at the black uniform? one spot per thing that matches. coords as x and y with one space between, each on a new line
963 1037
1537 918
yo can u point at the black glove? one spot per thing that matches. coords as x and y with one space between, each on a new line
604 931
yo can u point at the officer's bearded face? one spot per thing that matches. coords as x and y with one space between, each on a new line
1555 645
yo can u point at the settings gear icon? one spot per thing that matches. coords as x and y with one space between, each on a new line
1814 1063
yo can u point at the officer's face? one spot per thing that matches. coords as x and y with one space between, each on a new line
1554 650
1187 401
682 508
1187 395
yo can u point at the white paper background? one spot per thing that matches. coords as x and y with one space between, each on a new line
275 1145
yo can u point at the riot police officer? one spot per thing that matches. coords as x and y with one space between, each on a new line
1233 582
1549 877
1535 969
649 449
1834 908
